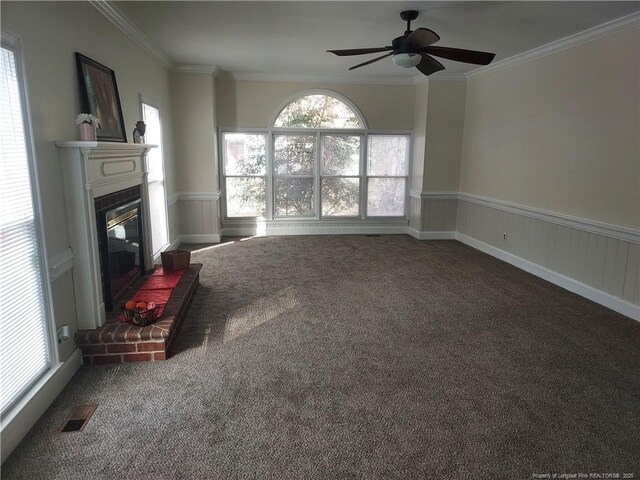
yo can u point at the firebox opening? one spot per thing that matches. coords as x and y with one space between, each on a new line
121 248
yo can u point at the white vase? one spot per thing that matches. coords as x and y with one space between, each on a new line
87 132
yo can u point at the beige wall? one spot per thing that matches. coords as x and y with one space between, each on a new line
560 133
51 32
195 131
444 132
254 104
419 135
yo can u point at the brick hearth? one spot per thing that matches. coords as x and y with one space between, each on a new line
117 342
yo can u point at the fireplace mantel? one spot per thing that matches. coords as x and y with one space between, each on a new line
91 170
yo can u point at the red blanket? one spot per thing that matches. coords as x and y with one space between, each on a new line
157 288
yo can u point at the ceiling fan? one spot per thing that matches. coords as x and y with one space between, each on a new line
414 49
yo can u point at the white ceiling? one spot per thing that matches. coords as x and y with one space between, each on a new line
291 37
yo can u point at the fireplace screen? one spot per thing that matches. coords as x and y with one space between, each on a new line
121 249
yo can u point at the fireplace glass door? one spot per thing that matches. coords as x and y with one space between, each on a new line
122 260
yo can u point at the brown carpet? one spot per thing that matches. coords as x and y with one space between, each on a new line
360 357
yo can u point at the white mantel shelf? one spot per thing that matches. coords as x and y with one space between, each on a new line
91 170
103 145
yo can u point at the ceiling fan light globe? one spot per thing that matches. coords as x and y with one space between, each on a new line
407 60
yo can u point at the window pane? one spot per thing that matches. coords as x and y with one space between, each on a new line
245 154
293 154
294 197
157 198
340 155
340 196
388 155
318 111
246 197
158 214
386 197
153 135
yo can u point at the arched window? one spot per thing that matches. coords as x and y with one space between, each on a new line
317 160
319 110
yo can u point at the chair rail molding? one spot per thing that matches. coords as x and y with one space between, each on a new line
60 264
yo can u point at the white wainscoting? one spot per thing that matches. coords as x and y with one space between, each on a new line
432 215
314 227
194 217
596 260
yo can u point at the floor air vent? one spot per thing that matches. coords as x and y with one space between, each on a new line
78 418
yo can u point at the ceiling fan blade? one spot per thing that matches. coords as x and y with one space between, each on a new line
422 37
359 51
429 65
461 55
372 61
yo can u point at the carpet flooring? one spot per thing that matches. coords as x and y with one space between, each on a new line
380 357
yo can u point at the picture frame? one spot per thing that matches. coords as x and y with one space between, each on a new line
99 96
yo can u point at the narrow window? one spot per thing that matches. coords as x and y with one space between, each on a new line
24 347
244 158
340 172
157 192
387 172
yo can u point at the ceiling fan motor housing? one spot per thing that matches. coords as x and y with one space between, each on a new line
401 45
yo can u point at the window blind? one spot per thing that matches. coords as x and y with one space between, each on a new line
24 353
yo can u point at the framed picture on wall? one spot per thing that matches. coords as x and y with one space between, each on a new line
99 95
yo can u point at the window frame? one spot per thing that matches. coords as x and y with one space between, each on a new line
361 178
13 42
270 176
224 176
407 177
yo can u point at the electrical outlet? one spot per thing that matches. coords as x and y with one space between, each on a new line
63 333
172 229
504 236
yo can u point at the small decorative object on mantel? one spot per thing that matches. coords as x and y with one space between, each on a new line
139 131
87 124
139 313
175 260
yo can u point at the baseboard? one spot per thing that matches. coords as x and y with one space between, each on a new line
431 235
614 303
200 238
175 244
26 413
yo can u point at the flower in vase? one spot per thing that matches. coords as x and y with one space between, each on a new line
88 118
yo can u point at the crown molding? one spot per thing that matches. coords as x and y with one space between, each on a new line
129 28
608 28
279 77
207 69
448 77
